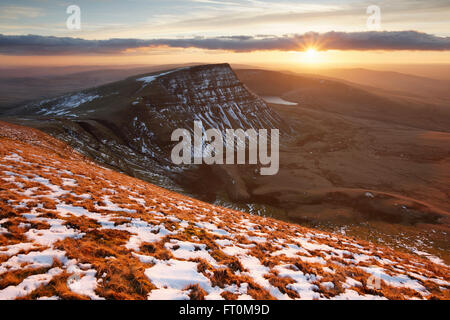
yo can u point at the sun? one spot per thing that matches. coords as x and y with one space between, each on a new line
311 53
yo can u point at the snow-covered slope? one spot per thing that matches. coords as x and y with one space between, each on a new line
72 229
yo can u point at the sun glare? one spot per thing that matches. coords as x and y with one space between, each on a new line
311 55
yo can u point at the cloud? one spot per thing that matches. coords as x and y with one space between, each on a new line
17 12
371 40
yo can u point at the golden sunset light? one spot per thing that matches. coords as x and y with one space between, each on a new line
311 55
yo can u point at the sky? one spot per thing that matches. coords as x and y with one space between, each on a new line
286 32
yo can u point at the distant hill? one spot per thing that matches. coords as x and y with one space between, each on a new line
434 89
322 93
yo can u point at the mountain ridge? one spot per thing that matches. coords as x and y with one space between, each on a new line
128 124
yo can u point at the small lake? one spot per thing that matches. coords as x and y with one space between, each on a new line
278 100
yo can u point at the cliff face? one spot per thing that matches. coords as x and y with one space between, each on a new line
70 229
128 124
211 94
